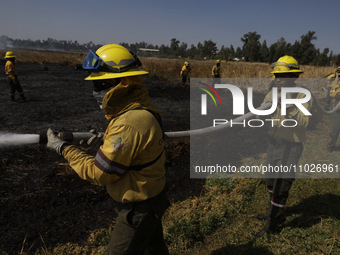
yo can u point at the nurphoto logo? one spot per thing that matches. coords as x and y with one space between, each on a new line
239 103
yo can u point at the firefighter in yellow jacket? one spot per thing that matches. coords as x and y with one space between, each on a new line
130 159
185 72
216 70
334 93
285 144
333 77
11 71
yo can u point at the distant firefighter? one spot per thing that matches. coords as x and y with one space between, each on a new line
332 77
216 70
334 93
11 71
185 72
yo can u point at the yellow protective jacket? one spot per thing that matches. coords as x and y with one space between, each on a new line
289 134
11 70
215 70
185 70
133 138
331 76
335 91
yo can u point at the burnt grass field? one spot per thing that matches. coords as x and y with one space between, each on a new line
42 201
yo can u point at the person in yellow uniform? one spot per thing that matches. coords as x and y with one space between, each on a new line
333 77
334 93
130 159
185 73
11 71
285 144
216 70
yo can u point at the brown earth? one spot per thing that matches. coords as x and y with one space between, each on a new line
43 202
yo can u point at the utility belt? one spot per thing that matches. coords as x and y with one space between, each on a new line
146 204
274 141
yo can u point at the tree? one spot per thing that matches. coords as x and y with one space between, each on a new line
307 48
174 46
208 48
337 60
296 51
232 51
192 52
264 52
330 58
164 50
221 54
251 46
182 50
238 53
322 59
281 49
272 52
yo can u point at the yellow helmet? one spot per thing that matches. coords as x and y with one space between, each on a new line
286 64
217 61
186 63
112 61
9 54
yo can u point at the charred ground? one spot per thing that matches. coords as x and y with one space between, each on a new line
43 202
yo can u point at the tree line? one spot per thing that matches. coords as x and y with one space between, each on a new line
49 44
253 50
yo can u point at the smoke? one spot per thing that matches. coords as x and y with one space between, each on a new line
9 139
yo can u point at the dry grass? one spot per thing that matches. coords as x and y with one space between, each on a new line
45 57
168 69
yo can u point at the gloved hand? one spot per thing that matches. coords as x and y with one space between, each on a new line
54 142
95 141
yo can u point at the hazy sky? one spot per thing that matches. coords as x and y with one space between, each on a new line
156 22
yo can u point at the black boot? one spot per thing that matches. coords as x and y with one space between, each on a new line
269 228
23 97
262 216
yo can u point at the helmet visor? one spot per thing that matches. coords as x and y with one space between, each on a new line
284 67
92 62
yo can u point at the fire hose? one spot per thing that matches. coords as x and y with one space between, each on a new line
75 137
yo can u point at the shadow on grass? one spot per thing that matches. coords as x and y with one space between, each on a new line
313 209
247 248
